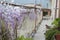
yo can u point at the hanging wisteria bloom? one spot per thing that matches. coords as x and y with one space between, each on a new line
32 14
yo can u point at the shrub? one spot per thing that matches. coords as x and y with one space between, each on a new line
51 33
56 22
23 38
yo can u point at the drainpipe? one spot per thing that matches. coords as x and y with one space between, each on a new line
56 9
59 8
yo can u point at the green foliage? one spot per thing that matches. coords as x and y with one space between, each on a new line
23 38
51 33
55 22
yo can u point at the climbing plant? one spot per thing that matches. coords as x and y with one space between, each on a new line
4 32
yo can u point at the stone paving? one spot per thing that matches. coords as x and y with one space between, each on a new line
42 29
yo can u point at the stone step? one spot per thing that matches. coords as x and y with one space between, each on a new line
42 29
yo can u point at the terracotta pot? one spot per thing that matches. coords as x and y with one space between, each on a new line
57 37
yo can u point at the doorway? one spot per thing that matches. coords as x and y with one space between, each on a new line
45 13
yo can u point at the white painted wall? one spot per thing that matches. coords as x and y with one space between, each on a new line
53 5
28 25
39 16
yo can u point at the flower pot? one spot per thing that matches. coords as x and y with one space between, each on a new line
57 37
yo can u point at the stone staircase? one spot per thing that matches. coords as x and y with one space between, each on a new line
42 29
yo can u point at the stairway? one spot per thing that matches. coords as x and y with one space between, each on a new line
42 29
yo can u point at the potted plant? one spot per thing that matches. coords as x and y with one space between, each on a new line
57 36
50 34
56 23
54 33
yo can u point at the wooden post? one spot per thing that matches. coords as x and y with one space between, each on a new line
15 30
56 8
35 14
